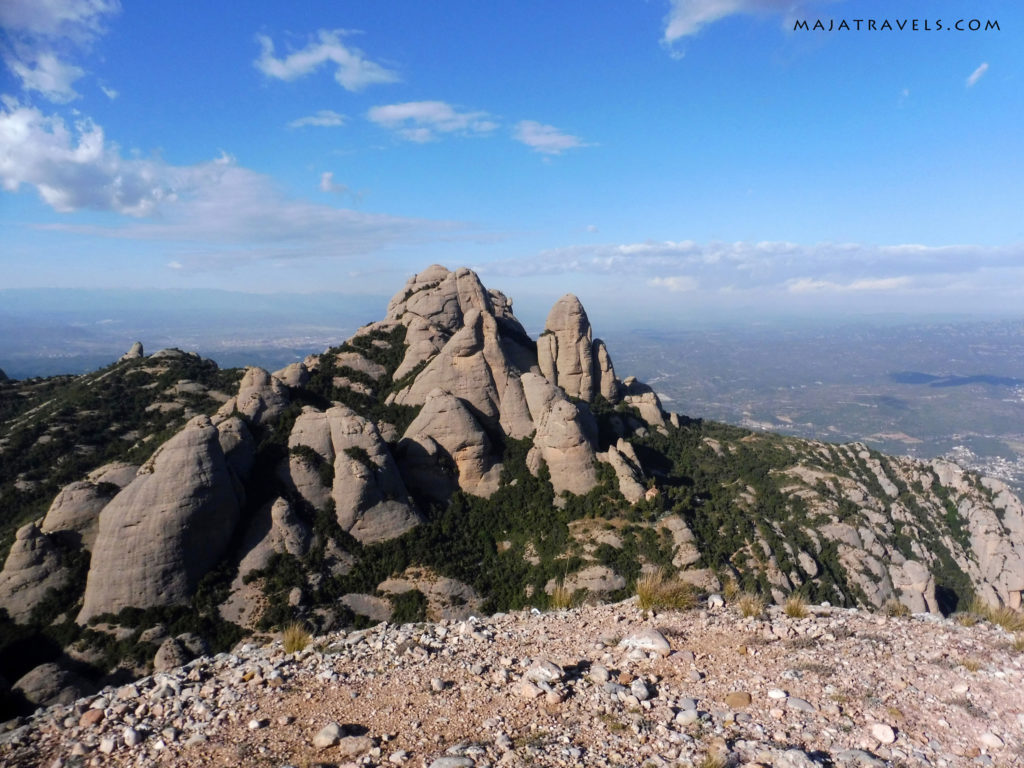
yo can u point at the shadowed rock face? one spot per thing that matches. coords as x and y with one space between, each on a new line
32 569
446 425
565 437
172 524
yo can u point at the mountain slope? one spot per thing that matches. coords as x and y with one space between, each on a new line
441 462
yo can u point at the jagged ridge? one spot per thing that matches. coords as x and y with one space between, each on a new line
441 461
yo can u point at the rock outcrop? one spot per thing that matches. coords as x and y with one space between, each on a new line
76 511
570 357
370 498
628 470
261 397
565 436
33 567
50 684
159 536
134 353
446 435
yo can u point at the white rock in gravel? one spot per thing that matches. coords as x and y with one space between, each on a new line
990 740
131 737
436 684
687 717
648 640
452 762
599 673
777 693
328 736
353 746
883 733
639 689
107 745
715 601
544 670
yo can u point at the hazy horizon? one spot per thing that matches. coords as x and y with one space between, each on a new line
714 155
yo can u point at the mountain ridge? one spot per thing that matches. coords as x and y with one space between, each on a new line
441 461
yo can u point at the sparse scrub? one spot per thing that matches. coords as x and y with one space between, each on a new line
295 638
966 619
1017 644
796 607
894 607
750 605
1000 615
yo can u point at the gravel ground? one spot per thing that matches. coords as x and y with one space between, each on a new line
596 685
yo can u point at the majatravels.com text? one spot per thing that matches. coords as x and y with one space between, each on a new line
895 25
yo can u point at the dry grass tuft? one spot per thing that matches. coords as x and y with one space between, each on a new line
796 607
731 589
654 591
561 597
966 619
1017 644
894 607
971 664
295 638
1000 615
750 605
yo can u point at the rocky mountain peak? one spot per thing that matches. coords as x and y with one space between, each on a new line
571 358
441 461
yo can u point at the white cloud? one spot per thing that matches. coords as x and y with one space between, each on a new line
687 17
46 74
80 20
110 93
977 74
41 34
76 168
545 138
810 285
779 269
324 118
674 283
353 70
221 211
422 121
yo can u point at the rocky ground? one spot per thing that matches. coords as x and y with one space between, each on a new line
597 685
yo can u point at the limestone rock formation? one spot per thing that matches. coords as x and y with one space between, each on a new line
160 535
51 684
261 397
623 459
275 528
565 436
565 350
473 367
571 358
292 375
645 400
370 499
33 567
445 433
76 511
134 353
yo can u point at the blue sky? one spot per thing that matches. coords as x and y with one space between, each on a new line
645 155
